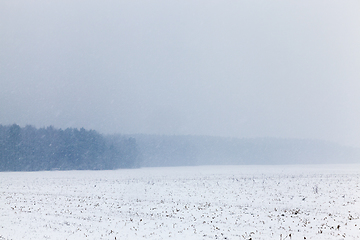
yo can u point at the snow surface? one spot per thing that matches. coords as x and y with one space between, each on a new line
205 202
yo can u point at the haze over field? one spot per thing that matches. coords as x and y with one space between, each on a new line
234 119
232 69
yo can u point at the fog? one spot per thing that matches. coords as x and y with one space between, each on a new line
243 69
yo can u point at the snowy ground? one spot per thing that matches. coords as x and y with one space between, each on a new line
206 202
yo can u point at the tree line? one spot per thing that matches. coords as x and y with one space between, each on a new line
162 150
32 149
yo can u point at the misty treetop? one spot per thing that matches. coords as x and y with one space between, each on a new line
31 149
162 150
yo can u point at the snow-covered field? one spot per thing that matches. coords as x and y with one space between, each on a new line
205 202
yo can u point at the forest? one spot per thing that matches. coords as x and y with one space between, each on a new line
32 149
188 150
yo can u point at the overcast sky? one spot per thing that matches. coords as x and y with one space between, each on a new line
288 69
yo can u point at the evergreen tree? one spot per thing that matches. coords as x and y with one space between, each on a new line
31 149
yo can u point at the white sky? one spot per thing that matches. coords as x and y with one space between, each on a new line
287 69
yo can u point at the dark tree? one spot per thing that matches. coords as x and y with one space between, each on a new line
31 149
